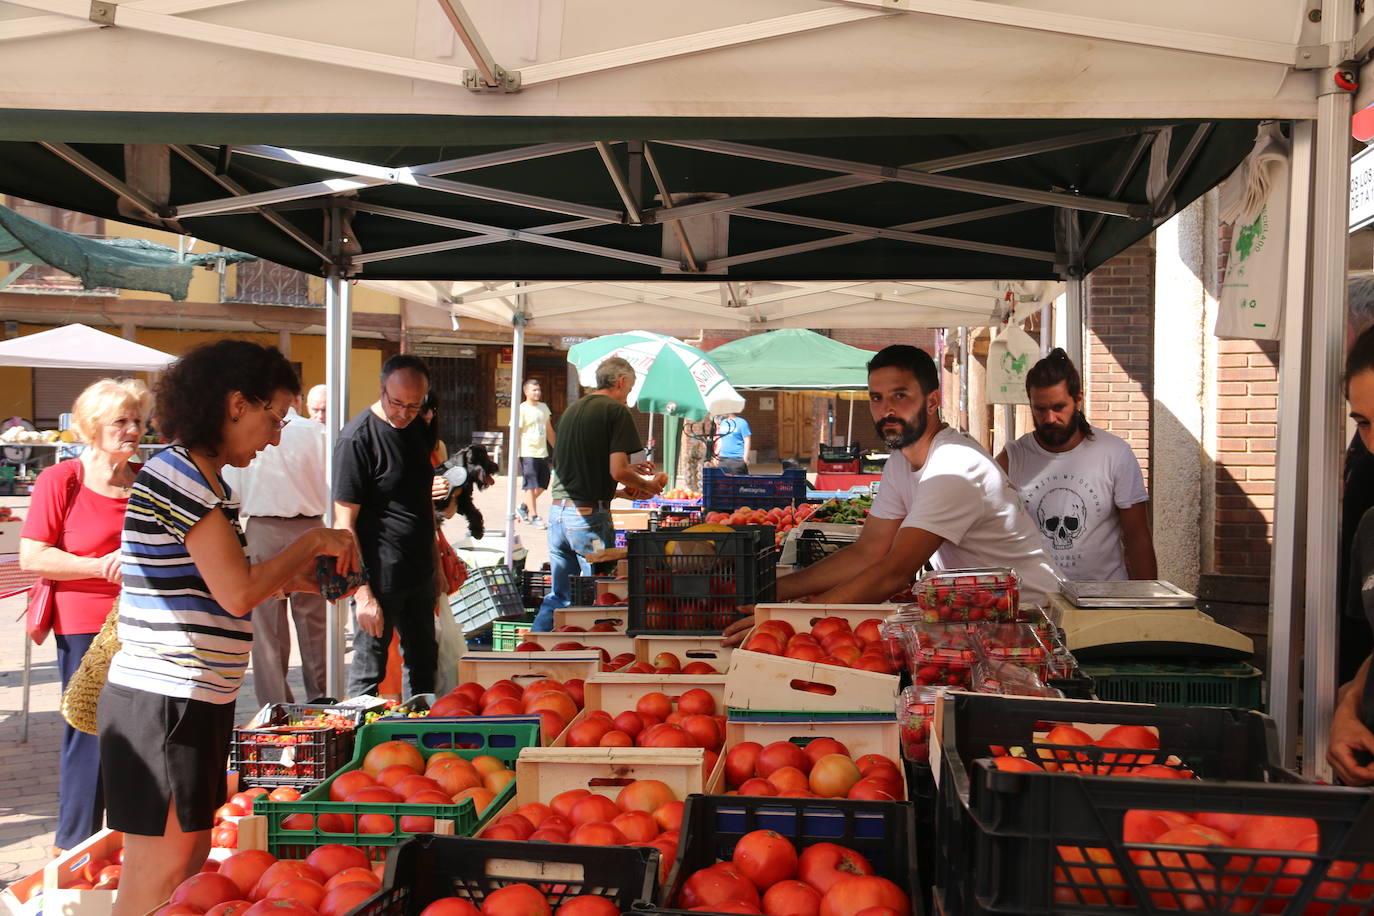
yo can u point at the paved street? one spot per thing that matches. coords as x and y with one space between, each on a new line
28 771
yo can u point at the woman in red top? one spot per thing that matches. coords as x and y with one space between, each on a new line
72 536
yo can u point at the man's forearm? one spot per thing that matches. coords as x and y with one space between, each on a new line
872 585
1351 693
823 575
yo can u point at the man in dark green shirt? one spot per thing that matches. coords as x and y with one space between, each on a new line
593 444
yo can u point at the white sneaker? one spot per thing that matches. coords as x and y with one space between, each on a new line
538 522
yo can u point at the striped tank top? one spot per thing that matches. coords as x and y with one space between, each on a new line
175 639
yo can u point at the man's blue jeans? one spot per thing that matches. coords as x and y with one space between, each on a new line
571 534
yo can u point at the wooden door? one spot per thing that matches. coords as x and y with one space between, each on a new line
794 425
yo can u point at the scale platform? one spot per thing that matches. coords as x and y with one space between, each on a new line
1132 627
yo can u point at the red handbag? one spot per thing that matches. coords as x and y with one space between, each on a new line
42 606
455 570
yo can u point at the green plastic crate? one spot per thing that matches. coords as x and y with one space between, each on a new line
503 737
509 632
1235 686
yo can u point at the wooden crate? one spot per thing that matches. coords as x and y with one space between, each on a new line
803 617
614 643
588 617
860 736
616 693
771 682
59 898
631 519
543 772
618 587
687 648
486 668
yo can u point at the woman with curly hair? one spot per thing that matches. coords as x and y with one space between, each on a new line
72 537
167 711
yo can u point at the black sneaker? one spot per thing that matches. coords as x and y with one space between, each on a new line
524 513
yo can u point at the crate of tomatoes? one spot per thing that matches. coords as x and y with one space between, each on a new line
455 876
1054 806
742 854
295 745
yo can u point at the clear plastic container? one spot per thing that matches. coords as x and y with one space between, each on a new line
1009 679
915 718
969 595
941 655
1017 643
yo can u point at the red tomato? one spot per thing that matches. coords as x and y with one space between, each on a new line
228 809
740 762
516 900
834 775
823 864
204 890
637 826
781 754
598 834
669 817
820 747
332 858
765 857
278 872
871 760
245 868
588 905
345 784
353 876
720 883
302 890
229 908
645 795
450 906
168 909
593 809
389 753
849 896
225 836
279 906
729 906
284 793
792 898
563 802
346 897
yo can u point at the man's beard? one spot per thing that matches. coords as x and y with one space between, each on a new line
1054 436
908 434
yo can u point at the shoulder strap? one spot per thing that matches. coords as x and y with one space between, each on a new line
73 489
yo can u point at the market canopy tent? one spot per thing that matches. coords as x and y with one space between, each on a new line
76 346
326 136
684 307
793 359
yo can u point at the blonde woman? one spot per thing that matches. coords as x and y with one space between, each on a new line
72 536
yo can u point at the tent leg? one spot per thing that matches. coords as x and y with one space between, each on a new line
1330 221
1074 319
1046 331
28 674
849 432
517 368
337 347
963 380
1290 505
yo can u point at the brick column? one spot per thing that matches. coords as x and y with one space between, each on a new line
1247 411
1119 375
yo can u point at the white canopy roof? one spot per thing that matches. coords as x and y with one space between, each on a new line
684 307
708 58
77 346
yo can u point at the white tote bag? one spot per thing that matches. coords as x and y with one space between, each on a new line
1010 357
1254 201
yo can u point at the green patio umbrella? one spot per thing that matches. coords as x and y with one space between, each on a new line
671 377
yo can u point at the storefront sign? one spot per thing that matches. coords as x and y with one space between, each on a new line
1362 189
443 351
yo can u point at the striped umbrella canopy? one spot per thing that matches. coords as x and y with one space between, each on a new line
671 377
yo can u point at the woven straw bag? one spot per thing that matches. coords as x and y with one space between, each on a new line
83 690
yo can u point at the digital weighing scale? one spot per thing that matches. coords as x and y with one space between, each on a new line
1141 619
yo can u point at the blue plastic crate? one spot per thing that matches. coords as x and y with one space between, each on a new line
722 492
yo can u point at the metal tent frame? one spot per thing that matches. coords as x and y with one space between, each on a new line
726 115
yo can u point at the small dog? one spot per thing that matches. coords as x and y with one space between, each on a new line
469 469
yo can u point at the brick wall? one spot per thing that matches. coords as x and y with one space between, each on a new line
1120 318
1246 417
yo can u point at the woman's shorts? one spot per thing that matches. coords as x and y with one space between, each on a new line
154 749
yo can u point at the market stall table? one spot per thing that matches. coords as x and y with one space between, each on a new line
825 482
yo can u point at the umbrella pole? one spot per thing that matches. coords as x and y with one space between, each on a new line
849 432
649 441
517 369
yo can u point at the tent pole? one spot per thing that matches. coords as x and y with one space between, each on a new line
1290 505
963 380
335 374
1326 429
1046 331
849 433
1073 340
517 368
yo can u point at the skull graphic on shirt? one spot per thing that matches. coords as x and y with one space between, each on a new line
1062 517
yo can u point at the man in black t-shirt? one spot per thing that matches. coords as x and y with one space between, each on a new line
593 444
383 484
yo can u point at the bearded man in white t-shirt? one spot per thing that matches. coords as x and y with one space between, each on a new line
1082 485
942 498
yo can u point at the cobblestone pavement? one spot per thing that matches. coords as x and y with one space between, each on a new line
28 770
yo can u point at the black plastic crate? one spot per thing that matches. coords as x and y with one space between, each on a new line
669 517
583 590
882 832
281 752
925 799
426 868
814 546
699 593
489 593
534 586
1052 842
873 464
835 453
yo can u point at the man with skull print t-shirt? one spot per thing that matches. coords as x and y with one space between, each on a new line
1081 485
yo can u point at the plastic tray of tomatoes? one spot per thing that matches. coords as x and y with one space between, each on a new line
294 828
1043 842
968 595
882 832
298 745
428 868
